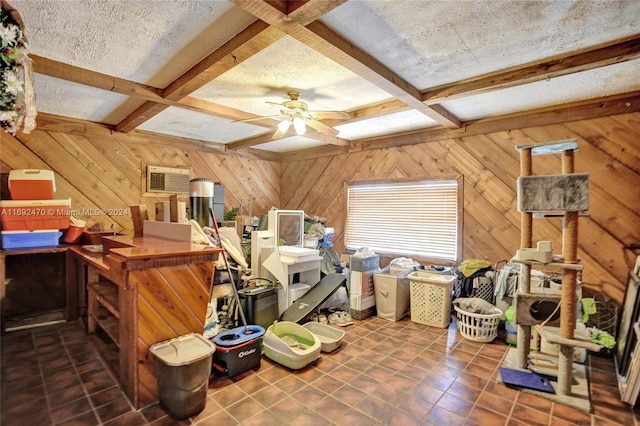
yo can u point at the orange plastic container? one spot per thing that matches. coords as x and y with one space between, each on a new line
34 215
32 184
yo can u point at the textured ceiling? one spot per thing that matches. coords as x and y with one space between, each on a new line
395 66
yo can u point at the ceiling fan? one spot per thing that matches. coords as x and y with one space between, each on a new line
297 114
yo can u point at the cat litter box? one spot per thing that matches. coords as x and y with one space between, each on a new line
237 350
330 337
291 345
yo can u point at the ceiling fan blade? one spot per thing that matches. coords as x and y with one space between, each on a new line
282 107
321 127
321 115
266 117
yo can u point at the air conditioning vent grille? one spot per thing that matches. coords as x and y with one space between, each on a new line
168 179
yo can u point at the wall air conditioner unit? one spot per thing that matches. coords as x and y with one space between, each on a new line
172 180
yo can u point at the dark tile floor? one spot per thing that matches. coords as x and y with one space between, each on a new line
387 373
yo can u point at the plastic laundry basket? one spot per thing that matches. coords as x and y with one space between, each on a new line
430 298
478 327
183 366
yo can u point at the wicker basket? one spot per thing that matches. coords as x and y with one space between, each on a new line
478 327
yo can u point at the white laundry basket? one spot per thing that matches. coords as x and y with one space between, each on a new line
478 327
430 298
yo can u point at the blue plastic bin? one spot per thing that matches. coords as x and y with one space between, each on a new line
30 239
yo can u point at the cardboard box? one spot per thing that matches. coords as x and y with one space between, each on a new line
32 184
18 215
361 282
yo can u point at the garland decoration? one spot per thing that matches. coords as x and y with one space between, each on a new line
17 98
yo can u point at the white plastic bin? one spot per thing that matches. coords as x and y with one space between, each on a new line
431 298
183 366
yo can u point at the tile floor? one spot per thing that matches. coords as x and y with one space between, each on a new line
384 373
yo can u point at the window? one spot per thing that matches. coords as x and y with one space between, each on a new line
413 219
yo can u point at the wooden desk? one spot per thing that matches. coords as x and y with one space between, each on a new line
141 291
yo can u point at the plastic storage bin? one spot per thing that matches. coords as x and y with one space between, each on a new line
35 214
30 239
392 294
183 366
431 298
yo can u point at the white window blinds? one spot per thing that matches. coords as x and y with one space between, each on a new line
405 218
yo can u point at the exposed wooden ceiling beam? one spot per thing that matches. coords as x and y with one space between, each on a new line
63 71
581 110
327 42
55 123
249 142
578 61
611 105
143 92
248 42
212 108
574 111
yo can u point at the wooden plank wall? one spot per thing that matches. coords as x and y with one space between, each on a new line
105 173
609 150
101 170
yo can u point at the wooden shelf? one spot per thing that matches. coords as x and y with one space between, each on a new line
556 215
572 266
553 147
107 294
108 350
104 308
109 323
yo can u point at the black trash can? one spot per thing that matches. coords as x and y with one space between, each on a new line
260 304
183 367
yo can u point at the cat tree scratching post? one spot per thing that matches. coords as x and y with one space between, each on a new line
569 284
524 283
566 194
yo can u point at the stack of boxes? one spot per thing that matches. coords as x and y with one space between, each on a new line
33 218
362 299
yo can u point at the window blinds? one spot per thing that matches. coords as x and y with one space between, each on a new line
407 218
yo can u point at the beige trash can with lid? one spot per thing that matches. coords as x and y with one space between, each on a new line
183 366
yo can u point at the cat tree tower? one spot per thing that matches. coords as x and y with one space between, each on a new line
563 196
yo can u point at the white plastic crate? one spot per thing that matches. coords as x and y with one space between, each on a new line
430 298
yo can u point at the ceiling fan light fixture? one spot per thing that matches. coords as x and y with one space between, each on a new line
299 125
283 126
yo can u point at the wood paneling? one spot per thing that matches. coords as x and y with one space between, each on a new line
609 150
99 169
160 290
104 172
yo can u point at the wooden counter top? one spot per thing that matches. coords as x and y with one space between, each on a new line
126 252
145 247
